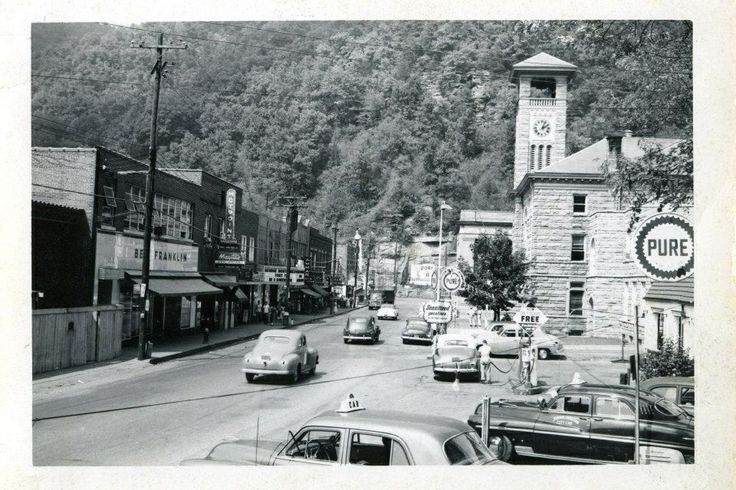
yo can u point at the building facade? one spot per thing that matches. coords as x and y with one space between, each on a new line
571 227
474 223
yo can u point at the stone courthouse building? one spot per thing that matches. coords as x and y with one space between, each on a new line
566 219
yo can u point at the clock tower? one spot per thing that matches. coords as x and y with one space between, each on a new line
542 115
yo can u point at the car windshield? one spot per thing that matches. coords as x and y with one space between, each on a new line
275 339
358 321
418 325
464 353
666 408
387 306
467 448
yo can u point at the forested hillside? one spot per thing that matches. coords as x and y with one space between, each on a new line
362 118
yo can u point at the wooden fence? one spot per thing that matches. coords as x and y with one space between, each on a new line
65 337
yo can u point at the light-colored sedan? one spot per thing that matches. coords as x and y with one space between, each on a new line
354 435
388 311
280 352
455 354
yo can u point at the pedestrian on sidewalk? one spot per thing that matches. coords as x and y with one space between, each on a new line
266 313
485 362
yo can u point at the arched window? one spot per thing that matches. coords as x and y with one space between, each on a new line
531 156
539 161
549 152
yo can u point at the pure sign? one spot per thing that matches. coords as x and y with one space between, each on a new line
664 247
452 280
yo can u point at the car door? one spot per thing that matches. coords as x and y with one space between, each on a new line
507 342
563 429
376 449
319 446
612 429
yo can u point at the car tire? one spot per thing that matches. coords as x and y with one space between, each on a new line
312 371
296 374
543 354
404 341
249 377
503 446
345 340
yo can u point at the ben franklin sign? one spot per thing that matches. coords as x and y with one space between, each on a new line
664 247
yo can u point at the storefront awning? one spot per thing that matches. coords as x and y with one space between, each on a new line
180 287
309 292
320 290
240 295
221 280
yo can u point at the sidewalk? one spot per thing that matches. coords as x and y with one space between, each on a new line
193 344
127 365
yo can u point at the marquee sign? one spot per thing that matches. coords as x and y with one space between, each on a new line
664 247
230 198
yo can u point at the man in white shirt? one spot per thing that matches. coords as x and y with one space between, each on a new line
485 362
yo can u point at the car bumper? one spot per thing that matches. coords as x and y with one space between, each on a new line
358 337
265 371
416 337
453 369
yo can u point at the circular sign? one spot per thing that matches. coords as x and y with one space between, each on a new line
664 247
452 280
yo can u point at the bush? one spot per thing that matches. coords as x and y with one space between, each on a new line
671 360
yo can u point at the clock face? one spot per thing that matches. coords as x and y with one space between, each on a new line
542 128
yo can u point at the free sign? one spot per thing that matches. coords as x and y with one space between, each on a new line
664 247
530 317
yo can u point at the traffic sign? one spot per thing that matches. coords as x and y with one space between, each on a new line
452 280
664 247
530 317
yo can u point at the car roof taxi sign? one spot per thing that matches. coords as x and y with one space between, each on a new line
664 247
350 404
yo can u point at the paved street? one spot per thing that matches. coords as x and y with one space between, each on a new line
182 408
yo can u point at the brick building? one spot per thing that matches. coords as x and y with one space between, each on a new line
566 219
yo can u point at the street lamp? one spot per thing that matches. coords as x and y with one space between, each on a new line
443 207
356 240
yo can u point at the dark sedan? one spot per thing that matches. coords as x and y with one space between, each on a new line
361 328
590 424
416 330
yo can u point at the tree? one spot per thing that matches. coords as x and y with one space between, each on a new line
662 176
671 360
498 276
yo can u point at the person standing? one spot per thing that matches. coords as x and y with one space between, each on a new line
266 313
485 362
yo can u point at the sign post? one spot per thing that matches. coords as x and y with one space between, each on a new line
529 319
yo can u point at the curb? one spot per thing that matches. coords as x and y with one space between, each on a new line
237 340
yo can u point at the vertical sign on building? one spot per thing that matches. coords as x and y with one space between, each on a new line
230 214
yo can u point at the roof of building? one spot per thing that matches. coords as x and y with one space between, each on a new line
589 160
543 62
479 216
682 291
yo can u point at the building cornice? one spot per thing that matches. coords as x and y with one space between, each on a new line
555 177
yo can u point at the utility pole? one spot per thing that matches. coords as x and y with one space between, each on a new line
145 294
292 223
393 218
636 385
332 268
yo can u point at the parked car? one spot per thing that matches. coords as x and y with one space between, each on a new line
354 435
507 339
375 300
280 352
455 354
591 424
416 330
361 327
677 389
388 312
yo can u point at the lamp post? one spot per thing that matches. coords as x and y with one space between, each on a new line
356 240
444 206
331 277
